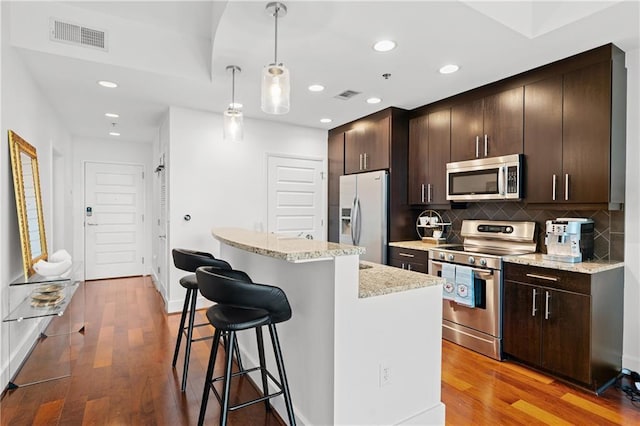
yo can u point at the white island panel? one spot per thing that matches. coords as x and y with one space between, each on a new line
400 332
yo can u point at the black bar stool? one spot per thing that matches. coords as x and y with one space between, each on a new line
242 305
190 260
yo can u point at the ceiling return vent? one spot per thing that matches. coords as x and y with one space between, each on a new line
78 35
347 94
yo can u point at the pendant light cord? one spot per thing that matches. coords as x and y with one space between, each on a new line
233 88
277 12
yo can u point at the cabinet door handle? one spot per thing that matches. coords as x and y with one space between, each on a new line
408 266
406 255
365 161
566 187
486 145
477 146
403 265
429 199
360 166
542 277
547 313
422 193
534 309
553 187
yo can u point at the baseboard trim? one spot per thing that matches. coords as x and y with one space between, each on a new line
631 362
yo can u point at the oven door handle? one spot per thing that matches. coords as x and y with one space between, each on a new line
480 273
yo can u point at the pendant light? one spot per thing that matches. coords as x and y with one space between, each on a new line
275 76
232 128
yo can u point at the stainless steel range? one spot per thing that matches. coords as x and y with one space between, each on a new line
472 298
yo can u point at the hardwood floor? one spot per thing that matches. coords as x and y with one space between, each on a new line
122 375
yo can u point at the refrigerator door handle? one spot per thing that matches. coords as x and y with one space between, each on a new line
358 223
352 221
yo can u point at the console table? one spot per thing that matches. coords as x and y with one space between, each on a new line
39 337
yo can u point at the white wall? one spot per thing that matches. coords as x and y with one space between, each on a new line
24 110
109 151
220 183
631 347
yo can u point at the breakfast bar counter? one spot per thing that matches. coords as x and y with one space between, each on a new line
363 345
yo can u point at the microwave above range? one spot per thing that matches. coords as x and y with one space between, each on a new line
495 178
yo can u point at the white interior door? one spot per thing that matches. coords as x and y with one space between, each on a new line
114 208
295 193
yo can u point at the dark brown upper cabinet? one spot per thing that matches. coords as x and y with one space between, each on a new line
367 146
429 152
574 136
543 140
488 127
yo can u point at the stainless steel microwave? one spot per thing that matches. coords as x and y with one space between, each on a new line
494 178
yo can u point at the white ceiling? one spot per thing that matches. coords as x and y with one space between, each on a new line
165 53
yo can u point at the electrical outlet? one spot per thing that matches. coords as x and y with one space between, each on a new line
384 374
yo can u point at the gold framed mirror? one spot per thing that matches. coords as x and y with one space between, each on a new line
26 184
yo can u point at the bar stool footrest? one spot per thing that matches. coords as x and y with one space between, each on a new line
253 401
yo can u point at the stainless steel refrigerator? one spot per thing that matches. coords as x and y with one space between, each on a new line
364 213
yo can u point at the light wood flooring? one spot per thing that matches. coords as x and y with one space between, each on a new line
122 375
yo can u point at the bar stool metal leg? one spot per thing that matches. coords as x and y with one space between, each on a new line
180 330
224 412
237 352
187 353
209 376
283 375
263 366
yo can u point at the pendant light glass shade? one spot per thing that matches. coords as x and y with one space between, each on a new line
233 125
275 89
275 76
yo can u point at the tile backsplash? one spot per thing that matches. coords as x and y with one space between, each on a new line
609 225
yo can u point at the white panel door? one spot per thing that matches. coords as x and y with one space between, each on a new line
114 208
295 197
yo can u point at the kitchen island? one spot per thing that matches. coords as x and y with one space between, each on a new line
363 345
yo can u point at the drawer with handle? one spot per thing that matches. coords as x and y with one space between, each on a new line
548 277
411 260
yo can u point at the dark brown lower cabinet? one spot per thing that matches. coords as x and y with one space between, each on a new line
409 259
565 323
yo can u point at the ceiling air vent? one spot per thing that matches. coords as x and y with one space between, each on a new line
77 34
347 94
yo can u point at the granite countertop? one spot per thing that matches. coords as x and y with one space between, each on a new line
419 245
291 249
588 267
378 280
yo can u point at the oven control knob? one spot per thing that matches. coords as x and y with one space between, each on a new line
483 262
472 259
451 257
441 256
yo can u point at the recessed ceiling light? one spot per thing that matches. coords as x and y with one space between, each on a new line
384 45
316 88
114 133
374 100
326 120
448 69
111 115
109 84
